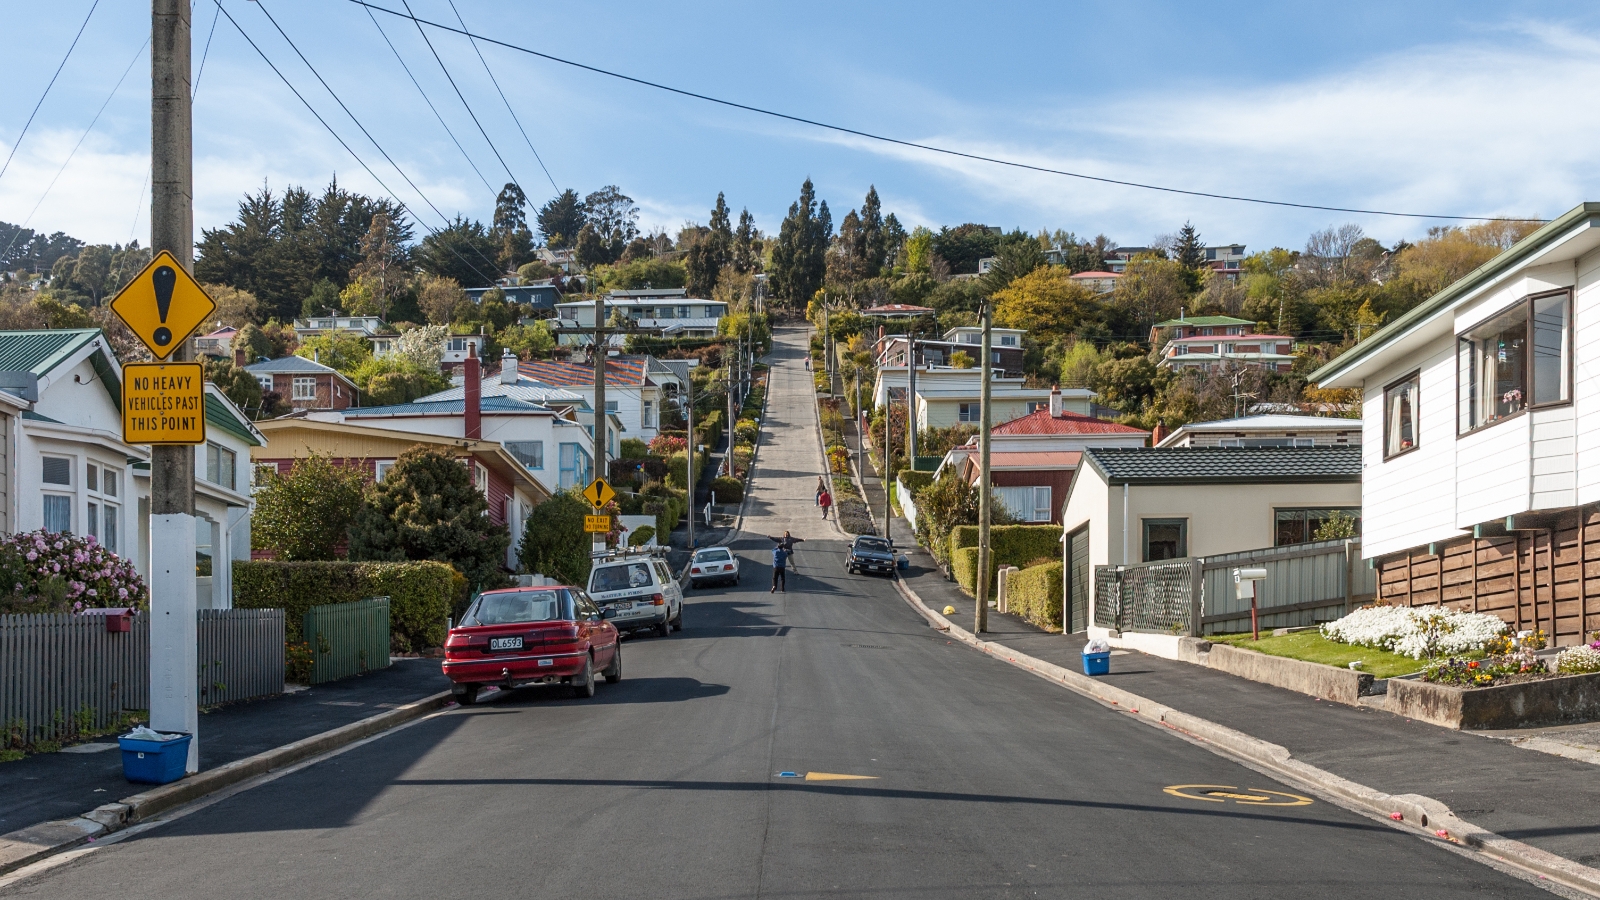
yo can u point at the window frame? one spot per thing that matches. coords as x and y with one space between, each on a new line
295 385
1415 375
1144 536
1527 302
1354 511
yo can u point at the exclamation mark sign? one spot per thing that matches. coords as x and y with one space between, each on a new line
164 279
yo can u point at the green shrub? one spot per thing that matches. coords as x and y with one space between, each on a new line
747 431
553 540
709 427
1010 545
633 448
1034 593
915 480
420 593
728 490
964 566
678 471
641 536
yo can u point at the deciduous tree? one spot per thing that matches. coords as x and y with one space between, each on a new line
306 514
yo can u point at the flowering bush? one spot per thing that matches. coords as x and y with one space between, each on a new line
1580 659
664 446
47 571
1417 633
1478 673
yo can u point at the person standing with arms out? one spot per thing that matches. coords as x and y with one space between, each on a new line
825 500
786 542
780 559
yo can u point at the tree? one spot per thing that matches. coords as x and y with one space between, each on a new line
799 258
384 267
439 295
235 383
427 507
641 273
1048 303
918 253
341 350
894 239
1449 252
560 219
847 256
590 249
269 341
614 220
710 253
963 245
323 299
1187 248
461 250
747 244
510 228
533 341
422 348
874 240
1150 290
235 307
1014 259
553 540
306 514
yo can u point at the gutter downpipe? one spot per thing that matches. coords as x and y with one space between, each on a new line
1124 523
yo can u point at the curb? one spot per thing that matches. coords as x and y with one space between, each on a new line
29 845
822 450
1419 812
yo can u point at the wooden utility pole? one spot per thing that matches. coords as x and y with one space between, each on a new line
886 451
598 334
986 494
173 629
911 399
688 419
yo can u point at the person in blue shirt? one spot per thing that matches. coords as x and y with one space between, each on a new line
780 559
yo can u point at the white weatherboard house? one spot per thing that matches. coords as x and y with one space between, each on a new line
1481 436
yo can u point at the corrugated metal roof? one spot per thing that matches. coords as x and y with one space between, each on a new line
1035 459
42 350
1041 422
1204 320
622 371
456 406
1218 465
290 364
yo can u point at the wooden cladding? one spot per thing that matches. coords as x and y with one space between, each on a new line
1545 578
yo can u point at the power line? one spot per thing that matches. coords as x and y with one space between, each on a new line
24 133
195 90
446 219
448 130
290 85
464 102
502 93
921 146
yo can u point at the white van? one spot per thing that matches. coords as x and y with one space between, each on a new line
637 592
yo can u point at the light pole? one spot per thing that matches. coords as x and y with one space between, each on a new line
986 495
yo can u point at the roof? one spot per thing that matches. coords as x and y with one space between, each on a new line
1203 320
41 350
1550 233
896 309
446 407
222 414
526 390
1035 459
621 371
1275 422
297 365
1213 338
1041 422
1226 465
1095 275
226 329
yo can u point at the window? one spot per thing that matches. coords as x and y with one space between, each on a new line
1551 338
1008 340
1400 433
92 478
58 471
575 466
1297 526
101 513
480 477
683 312
462 345
1041 504
611 405
221 464
1036 405
648 415
265 381
305 388
969 412
1026 504
1165 539
202 547
529 453
1501 371
381 469
1268 442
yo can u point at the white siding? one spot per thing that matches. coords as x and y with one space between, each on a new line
1553 457
1492 472
1586 380
1411 500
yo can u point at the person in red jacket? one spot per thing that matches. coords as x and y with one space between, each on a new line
825 500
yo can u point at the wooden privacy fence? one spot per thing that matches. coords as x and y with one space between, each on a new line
347 638
1306 584
63 675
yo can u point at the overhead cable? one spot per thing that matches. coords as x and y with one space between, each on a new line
463 97
24 132
931 148
502 93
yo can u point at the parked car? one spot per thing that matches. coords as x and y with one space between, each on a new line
522 636
637 592
712 564
870 554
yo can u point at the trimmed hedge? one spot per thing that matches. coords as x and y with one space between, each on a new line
728 490
1035 595
915 480
420 593
1009 545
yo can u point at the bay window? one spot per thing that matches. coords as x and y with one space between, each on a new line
1516 359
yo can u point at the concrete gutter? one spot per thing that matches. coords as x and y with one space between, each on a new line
1413 810
28 845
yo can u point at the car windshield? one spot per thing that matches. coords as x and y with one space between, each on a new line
717 555
619 578
877 546
523 606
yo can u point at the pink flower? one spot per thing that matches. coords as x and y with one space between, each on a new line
122 593
32 556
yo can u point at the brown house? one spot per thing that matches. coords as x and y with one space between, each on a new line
304 383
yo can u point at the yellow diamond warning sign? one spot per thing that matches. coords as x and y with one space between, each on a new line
163 403
598 493
162 305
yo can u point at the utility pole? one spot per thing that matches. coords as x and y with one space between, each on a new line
911 399
733 387
986 495
688 418
861 437
173 627
887 451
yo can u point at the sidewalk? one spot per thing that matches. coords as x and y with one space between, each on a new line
50 786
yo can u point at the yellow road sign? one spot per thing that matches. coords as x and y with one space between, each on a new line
163 305
596 524
599 493
163 403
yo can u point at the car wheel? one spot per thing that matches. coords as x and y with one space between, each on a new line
664 627
613 672
469 696
677 620
583 682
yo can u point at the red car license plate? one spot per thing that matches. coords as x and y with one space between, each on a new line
505 643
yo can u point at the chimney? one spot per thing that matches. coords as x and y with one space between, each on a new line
1055 401
1159 434
239 360
472 381
508 366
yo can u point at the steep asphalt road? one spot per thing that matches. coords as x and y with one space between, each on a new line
984 781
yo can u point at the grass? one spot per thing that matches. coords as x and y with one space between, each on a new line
1311 646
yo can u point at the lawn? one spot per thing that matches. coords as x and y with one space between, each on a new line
1311 646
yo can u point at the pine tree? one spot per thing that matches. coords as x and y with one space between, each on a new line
746 244
510 228
427 507
894 239
1187 248
710 253
874 246
560 219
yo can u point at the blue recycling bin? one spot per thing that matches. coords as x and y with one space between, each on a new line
1097 663
154 762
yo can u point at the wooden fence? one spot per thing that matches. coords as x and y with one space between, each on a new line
347 638
62 676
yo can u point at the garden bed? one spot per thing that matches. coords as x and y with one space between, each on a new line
1520 703
1311 646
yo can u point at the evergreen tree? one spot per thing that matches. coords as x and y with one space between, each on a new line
614 219
553 541
510 228
560 219
873 237
710 253
1187 249
894 239
746 244
462 250
1013 260
799 259
306 514
427 507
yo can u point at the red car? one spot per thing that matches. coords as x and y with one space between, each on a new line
522 636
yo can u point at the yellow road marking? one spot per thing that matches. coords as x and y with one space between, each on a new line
1222 793
830 776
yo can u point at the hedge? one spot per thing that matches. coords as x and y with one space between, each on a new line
915 480
728 490
1009 545
420 593
1035 595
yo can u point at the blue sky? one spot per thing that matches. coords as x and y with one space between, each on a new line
1466 108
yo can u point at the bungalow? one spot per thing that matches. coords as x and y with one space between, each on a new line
668 310
891 350
1213 342
1099 282
1481 427
304 383
1142 505
216 344
542 295
635 388
362 326
1263 431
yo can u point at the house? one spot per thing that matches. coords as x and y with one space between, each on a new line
1211 343
1117 258
304 383
565 260
364 326
1264 431
1226 260
216 344
1099 282
543 294
891 350
1032 458
636 387
897 311
458 348
1481 436
670 311
67 469
999 338
1142 505
947 396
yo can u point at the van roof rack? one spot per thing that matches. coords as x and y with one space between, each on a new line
620 553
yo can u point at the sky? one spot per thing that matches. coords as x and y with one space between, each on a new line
1460 108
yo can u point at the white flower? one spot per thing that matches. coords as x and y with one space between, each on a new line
1410 632
1582 658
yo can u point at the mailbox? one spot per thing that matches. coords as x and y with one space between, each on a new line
118 618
